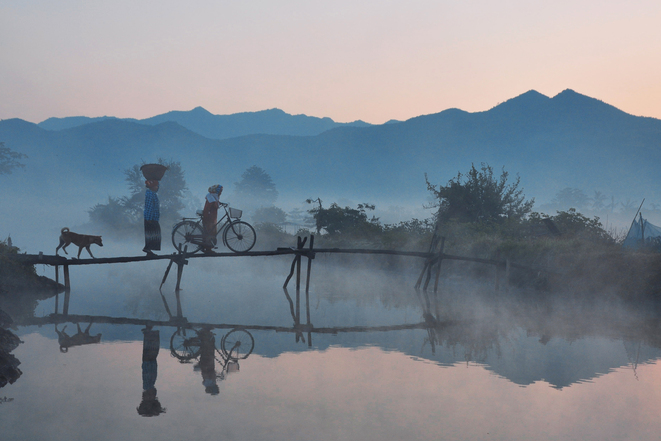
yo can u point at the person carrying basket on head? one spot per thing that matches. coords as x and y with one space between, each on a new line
151 216
210 217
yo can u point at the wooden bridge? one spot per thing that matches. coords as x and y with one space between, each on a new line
432 263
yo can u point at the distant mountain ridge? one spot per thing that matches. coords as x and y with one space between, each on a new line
569 140
201 121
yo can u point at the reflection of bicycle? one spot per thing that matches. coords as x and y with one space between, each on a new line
238 236
186 344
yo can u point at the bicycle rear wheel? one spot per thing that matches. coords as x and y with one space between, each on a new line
237 344
187 233
239 236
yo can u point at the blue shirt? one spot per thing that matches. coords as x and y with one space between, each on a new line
152 212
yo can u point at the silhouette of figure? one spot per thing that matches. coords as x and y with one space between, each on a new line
79 339
210 216
150 406
207 363
152 215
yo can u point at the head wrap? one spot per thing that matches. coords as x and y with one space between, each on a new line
216 189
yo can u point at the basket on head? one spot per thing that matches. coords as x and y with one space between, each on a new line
153 172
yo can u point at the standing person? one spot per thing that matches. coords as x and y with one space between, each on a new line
210 217
152 215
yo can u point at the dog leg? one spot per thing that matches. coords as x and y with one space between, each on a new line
89 251
79 250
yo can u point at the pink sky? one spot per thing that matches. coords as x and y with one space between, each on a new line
348 60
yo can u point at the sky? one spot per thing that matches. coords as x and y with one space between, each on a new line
347 60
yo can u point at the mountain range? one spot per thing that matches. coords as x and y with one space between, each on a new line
569 140
203 122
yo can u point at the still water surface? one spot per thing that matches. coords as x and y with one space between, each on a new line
381 362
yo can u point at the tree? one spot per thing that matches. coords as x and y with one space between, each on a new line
125 212
599 200
256 188
9 160
170 194
270 215
338 221
571 198
571 223
480 197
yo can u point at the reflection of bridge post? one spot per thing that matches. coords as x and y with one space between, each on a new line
180 271
438 275
67 290
307 290
57 289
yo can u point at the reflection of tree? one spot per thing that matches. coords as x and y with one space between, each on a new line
9 371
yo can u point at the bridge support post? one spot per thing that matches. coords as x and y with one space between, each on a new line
181 261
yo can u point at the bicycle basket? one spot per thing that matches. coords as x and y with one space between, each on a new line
235 213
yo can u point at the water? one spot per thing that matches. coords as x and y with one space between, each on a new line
381 361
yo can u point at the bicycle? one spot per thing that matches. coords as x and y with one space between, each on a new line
239 236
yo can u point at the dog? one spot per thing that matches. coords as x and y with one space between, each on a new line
81 240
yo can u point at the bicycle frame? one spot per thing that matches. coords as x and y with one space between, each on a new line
225 220
238 235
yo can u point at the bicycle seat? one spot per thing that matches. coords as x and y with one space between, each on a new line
199 212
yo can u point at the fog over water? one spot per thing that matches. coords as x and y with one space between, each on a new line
383 361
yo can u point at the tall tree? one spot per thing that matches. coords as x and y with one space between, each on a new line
256 188
571 198
341 221
170 194
480 197
126 211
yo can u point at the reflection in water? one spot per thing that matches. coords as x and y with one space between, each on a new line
9 371
207 362
187 344
150 406
79 339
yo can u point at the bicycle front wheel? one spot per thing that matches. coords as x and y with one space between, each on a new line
239 236
187 233
237 344
185 344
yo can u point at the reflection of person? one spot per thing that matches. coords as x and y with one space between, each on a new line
150 406
207 363
210 216
152 215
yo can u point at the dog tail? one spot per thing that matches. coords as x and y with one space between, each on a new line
64 230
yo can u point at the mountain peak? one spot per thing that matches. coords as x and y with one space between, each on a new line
525 102
199 110
570 100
